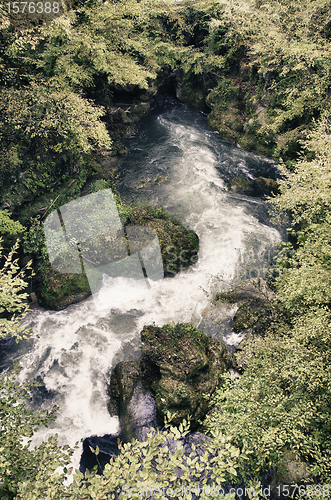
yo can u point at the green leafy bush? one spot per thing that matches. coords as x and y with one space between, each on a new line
13 303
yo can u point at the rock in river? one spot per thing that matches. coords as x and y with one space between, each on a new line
180 365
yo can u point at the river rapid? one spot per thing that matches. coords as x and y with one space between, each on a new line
174 160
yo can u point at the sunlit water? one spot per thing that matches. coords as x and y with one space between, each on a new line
73 350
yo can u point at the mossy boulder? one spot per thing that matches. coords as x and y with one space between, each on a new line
179 245
179 249
262 186
245 290
131 401
267 186
138 110
189 365
59 290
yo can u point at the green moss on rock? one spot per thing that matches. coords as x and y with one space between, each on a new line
241 186
179 245
248 315
124 379
190 365
60 290
255 305
269 186
190 91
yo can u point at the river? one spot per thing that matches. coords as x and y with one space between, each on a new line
174 160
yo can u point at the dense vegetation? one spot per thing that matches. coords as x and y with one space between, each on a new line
262 71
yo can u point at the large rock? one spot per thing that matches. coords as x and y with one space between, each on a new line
294 473
59 290
190 365
267 186
180 365
249 314
179 245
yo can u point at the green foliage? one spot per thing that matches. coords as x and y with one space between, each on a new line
19 464
13 303
9 228
133 471
282 400
304 275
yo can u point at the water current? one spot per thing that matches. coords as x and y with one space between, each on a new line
174 160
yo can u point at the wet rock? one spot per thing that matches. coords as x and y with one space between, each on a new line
122 383
131 401
294 473
180 366
248 314
190 92
33 297
138 110
262 186
139 417
179 249
254 301
122 115
122 151
217 322
267 186
179 245
108 448
246 290
190 365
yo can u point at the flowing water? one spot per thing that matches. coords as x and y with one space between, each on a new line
174 160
